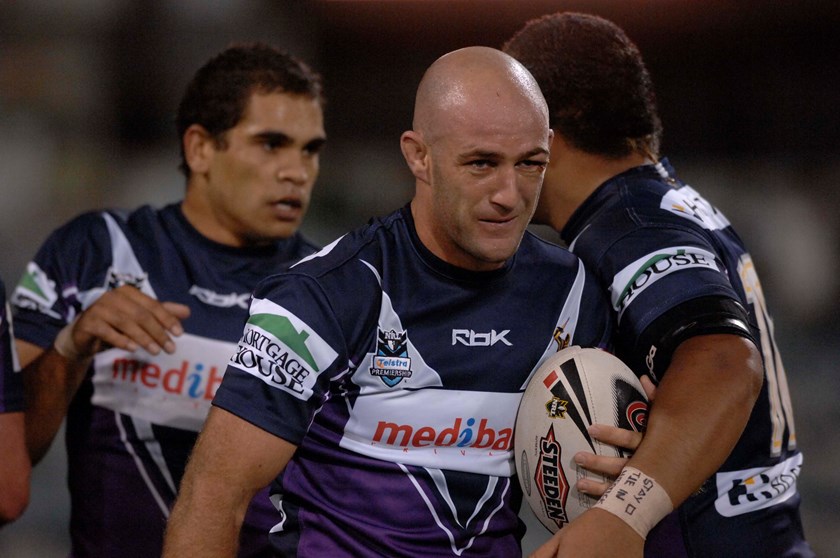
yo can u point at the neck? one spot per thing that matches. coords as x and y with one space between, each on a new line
572 176
201 215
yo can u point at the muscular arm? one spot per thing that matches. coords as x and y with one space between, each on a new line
14 467
702 406
231 461
716 377
50 382
124 318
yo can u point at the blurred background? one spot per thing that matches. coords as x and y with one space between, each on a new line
747 90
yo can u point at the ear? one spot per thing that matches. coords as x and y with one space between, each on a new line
198 148
416 154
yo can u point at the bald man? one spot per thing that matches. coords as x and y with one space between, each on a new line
377 382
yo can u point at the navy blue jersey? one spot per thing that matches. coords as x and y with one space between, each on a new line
674 267
399 376
11 384
133 422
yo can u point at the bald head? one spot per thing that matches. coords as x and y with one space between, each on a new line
474 82
478 151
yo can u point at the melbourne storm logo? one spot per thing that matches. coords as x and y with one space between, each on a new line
391 362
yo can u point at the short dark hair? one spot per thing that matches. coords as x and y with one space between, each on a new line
599 92
219 91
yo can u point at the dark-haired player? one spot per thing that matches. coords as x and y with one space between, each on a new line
125 321
720 444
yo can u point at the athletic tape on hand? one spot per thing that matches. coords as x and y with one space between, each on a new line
636 499
64 344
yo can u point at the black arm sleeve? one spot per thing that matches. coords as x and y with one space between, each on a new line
652 351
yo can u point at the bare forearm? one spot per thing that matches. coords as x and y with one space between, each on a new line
50 383
14 467
701 408
202 525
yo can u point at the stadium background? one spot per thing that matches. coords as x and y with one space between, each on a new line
747 93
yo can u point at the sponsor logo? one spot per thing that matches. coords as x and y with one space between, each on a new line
562 338
276 351
391 362
686 202
557 407
169 390
190 380
550 480
741 492
639 275
463 433
35 291
115 278
472 338
636 413
221 300
649 362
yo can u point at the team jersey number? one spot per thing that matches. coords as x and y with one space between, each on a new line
781 412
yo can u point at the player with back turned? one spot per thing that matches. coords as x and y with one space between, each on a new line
125 321
720 444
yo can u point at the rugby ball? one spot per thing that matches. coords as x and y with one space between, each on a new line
571 390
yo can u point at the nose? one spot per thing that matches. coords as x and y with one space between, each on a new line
294 167
506 193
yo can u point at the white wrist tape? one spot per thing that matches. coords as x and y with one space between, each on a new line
636 499
64 344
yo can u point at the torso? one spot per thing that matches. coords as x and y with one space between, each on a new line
134 421
420 368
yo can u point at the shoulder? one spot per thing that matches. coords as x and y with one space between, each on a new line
534 247
366 243
304 246
541 262
83 232
96 221
648 214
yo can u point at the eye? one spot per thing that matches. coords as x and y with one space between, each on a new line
270 145
481 164
314 147
533 165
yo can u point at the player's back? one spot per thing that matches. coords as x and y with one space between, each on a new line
660 248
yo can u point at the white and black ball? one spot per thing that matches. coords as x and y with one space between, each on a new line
571 390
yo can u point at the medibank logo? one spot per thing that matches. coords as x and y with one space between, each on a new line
188 380
463 433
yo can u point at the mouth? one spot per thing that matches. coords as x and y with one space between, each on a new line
287 208
500 227
499 221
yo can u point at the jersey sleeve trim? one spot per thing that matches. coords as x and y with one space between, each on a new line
705 315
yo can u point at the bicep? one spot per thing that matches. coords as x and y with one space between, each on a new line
651 350
233 449
716 377
230 462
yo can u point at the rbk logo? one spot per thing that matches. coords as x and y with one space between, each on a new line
472 338
221 300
